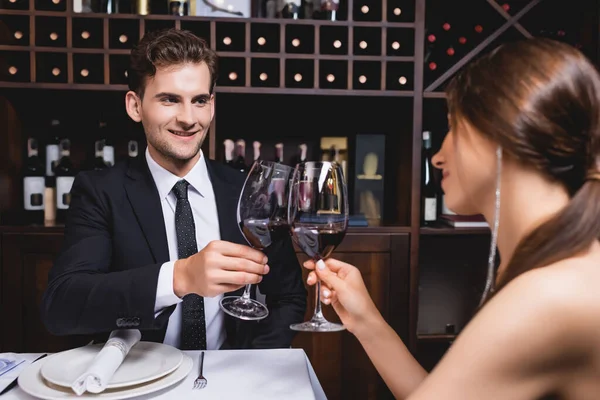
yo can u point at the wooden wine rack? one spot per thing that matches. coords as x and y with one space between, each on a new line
370 58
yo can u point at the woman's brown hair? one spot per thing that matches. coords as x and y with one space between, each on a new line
540 100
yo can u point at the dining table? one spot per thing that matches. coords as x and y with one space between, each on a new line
229 374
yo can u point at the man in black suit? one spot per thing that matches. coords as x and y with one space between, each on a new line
154 244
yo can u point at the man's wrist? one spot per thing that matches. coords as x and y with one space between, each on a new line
179 278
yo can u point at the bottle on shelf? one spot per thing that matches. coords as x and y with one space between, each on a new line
179 7
229 150
240 160
65 175
52 147
256 145
34 184
279 153
133 149
429 192
108 148
300 156
291 9
99 162
329 9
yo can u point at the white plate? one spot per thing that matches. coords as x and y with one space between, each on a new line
145 361
32 382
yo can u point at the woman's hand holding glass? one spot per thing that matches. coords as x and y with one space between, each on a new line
343 287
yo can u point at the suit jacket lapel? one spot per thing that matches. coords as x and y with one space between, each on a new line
145 202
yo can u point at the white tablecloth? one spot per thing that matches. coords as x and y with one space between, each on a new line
244 374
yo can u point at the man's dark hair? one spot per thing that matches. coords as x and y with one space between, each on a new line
165 48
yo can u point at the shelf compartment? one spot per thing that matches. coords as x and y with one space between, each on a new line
400 42
367 41
199 28
118 65
123 33
367 10
232 71
51 5
366 75
231 36
51 67
264 38
21 5
51 31
333 74
399 11
264 72
399 75
333 40
152 25
299 39
88 33
15 66
88 68
299 73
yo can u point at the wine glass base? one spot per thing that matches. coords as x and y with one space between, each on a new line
317 326
246 309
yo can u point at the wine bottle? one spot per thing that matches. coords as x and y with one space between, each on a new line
99 162
133 149
303 148
429 191
33 184
179 7
329 9
229 149
291 9
65 175
240 160
52 147
300 156
108 149
279 153
256 144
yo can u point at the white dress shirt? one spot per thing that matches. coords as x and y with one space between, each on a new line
204 208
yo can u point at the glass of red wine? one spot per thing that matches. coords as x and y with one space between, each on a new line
262 218
318 217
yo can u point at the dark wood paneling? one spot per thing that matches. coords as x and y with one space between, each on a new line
26 260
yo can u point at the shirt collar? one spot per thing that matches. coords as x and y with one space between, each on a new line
165 180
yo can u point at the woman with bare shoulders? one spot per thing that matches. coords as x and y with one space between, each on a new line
523 149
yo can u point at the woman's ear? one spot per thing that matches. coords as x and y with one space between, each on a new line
133 106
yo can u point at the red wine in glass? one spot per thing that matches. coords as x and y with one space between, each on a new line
262 218
318 217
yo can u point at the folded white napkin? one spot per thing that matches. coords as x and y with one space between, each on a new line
101 370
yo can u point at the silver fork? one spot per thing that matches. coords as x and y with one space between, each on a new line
200 382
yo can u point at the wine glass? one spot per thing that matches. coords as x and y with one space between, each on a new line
262 218
318 217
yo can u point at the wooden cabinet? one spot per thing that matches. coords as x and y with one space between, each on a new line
340 363
26 261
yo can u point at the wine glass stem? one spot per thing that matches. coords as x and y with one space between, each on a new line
318 315
246 295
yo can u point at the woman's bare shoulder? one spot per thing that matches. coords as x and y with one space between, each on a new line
535 329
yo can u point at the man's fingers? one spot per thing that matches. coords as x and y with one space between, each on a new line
230 249
238 278
242 265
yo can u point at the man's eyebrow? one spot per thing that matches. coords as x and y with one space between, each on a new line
203 96
166 94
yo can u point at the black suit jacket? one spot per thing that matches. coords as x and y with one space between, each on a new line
106 275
